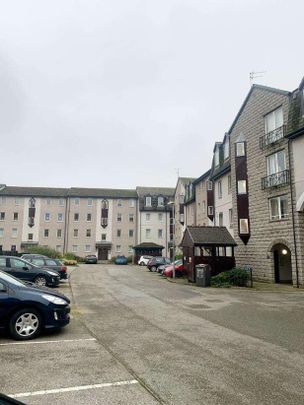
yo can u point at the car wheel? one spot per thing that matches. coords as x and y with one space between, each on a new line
25 324
153 268
141 263
41 281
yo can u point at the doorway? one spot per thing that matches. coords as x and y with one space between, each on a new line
103 253
282 264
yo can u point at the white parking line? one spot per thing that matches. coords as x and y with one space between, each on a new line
70 389
41 342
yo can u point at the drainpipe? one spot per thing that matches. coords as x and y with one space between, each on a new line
293 219
66 225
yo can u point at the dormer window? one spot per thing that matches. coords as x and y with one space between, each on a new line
209 185
217 157
160 201
148 201
226 149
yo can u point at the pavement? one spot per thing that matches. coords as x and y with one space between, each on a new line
136 338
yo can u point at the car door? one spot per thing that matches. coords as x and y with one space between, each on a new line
4 298
20 269
3 263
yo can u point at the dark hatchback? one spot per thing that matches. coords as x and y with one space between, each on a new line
26 271
26 310
52 264
90 259
157 261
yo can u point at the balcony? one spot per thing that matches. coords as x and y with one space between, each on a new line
276 180
272 137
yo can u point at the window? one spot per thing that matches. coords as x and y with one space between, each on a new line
131 203
244 228
88 248
59 233
75 233
59 217
148 233
38 262
148 201
2 216
16 216
88 233
276 163
89 217
74 248
217 157
209 185
210 210
47 217
90 202
148 216
30 236
119 217
16 263
61 202
219 189
160 233
118 248
229 184
17 201
220 219
230 218
48 201
226 149
103 236
1 232
181 217
76 217
131 217
46 233
119 204
14 232
242 189
160 201
58 248
278 207
160 217
130 249
240 149
118 233
76 201
274 120
13 248
131 233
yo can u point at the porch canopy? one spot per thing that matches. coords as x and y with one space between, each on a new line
147 248
211 245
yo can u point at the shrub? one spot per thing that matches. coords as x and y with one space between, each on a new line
67 262
70 256
237 277
41 250
130 259
113 258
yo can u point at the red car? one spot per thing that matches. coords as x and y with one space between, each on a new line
180 270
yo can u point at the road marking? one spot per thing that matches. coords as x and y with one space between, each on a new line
70 389
41 342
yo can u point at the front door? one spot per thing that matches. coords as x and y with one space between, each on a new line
103 253
282 264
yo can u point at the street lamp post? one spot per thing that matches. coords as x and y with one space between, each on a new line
173 241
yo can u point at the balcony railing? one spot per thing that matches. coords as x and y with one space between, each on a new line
272 137
276 179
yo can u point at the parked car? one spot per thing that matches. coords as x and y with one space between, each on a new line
26 271
143 260
25 310
157 261
161 268
180 270
48 263
121 260
91 259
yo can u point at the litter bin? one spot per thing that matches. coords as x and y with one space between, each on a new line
203 275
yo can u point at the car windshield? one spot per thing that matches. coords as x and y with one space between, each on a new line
11 279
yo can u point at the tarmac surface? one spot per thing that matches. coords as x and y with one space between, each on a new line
136 338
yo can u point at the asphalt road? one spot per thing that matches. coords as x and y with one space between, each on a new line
136 338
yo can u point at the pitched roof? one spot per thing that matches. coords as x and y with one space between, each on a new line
295 124
148 245
102 192
166 191
203 176
34 191
210 235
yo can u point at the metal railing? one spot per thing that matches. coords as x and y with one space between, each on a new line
275 180
272 137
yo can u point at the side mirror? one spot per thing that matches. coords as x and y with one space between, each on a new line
25 268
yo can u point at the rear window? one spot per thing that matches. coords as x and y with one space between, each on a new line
50 263
38 262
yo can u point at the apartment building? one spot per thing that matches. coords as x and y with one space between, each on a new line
200 188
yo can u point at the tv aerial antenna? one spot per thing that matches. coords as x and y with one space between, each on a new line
254 75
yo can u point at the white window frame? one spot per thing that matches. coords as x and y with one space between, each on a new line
220 219
59 234
131 218
148 217
277 118
88 234
47 217
278 217
17 200
219 189
118 248
17 219
90 202
59 215
131 233
216 157
274 156
14 232
210 209
119 217
240 149
76 201
243 222
160 201
74 248
131 203
160 233
75 233
89 220
209 185
46 233
61 203
148 233
103 236
242 187
148 201
76 220
226 149
88 248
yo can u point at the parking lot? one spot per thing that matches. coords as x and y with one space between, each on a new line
136 338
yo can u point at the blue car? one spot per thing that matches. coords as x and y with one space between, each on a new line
26 309
121 260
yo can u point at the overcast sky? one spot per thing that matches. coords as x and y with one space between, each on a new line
119 93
